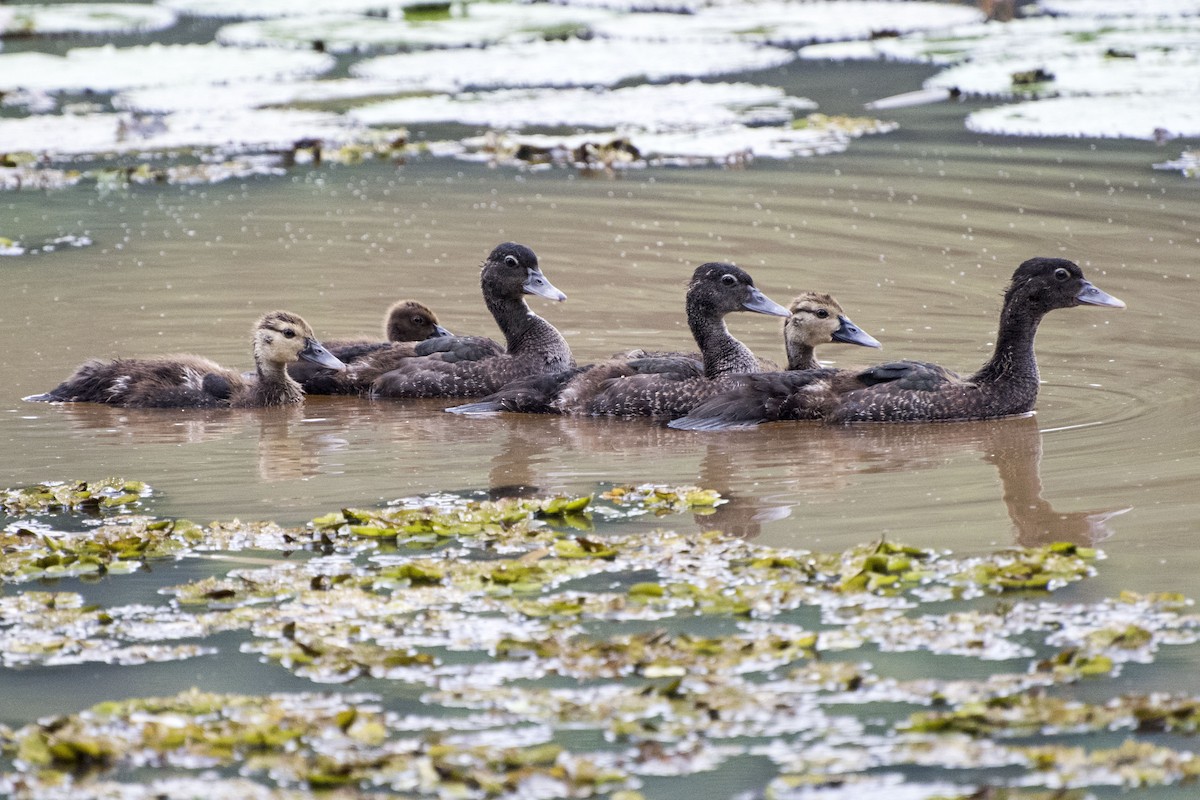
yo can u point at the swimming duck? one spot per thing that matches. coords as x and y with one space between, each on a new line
769 396
815 319
188 381
669 385
470 366
406 322
914 391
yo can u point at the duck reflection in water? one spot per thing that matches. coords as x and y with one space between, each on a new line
1013 445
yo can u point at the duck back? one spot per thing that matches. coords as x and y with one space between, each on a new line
532 345
184 381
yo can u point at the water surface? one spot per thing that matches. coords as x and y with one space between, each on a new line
915 233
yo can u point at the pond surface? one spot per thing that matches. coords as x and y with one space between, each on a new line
915 232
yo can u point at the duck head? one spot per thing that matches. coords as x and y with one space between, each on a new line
1044 284
818 319
281 337
512 270
410 321
719 289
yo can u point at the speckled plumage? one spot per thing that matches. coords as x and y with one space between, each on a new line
1007 384
641 382
188 381
406 322
914 391
471 367
639 388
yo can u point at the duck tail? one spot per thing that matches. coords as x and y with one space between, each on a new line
482 407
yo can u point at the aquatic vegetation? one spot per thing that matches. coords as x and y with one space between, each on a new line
111 69
82 18
560 656
574 62
677 106
265 9
1155 118
1188 163
1128 76
782 23
736 145
469 25
90 497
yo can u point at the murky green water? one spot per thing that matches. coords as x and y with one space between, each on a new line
915 233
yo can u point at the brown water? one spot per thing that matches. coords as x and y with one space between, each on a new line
915 233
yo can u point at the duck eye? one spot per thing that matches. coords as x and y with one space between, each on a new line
418 320
822 313
511 261
289 334
728 280
1061 274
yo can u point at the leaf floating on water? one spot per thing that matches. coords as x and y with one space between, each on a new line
76 496
30 19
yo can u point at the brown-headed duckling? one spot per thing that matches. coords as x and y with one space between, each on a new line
406 322
656 384
915 391
816 319
470 366
187 381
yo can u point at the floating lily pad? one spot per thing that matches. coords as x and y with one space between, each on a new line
790 24
233 130
1156 118
11 247
1148 73
265 9
598 62
1188 163
311 94
110 69
79 496
1118 8
736 145
474 24
82 18
992 41
687 106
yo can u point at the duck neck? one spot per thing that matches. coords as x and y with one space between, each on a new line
800 355
274 386
723 354
525 333
1013 361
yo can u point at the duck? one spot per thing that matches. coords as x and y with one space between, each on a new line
406 322
771 395
655 384
189 381
628 389
917 391
816 319
471 366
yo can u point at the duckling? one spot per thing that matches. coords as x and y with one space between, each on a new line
914 391
815 319
768 396
188 381
406 322
669 385
473 366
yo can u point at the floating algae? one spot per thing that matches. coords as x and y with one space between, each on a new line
528 624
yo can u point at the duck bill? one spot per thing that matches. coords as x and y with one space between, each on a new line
438 332
1091 296
849 333
315 352
762 304
537 284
